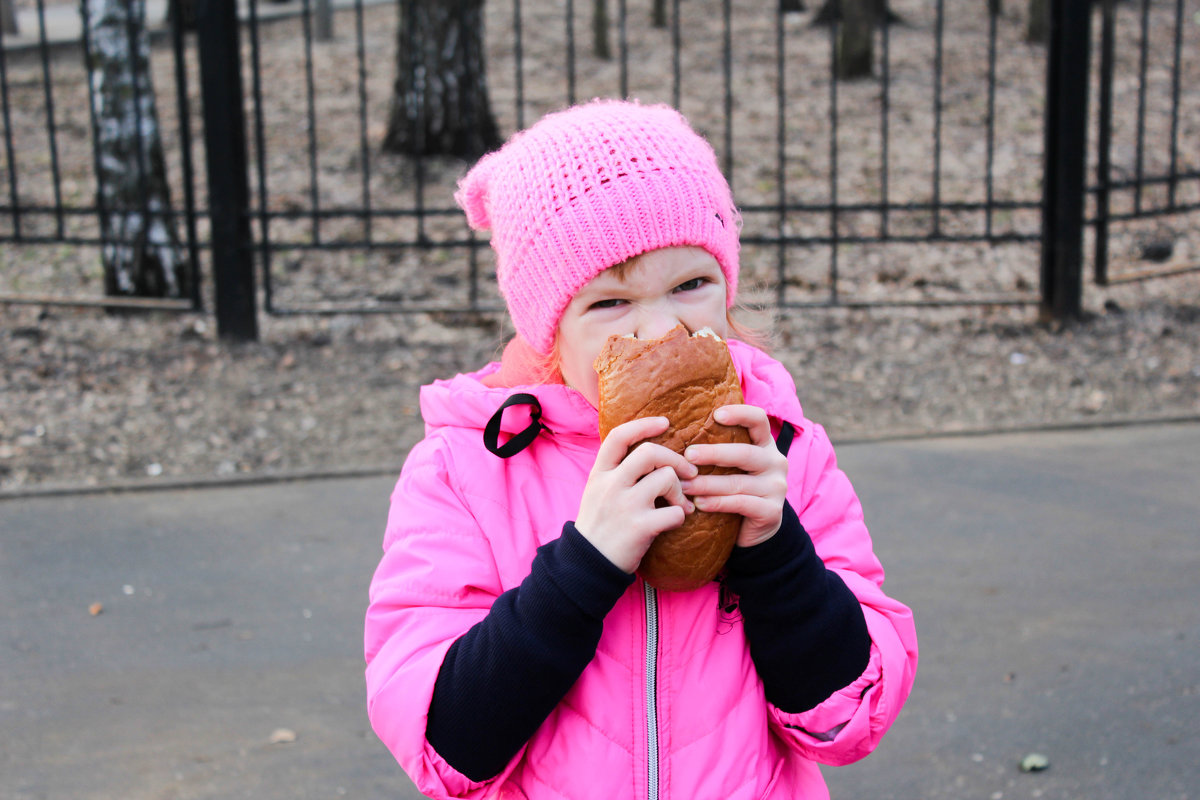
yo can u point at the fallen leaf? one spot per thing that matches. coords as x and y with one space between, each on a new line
95 609
282 736
1034 762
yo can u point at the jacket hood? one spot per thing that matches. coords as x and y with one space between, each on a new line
464 401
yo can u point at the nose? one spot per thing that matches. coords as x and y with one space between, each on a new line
655 321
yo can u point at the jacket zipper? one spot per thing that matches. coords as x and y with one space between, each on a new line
652 692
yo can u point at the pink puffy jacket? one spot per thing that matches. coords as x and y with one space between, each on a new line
463 528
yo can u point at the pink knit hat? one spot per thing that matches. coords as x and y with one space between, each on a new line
589 187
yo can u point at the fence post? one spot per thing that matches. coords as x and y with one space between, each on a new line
1065 159
219 42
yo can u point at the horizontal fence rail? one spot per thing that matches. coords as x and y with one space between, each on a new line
920 184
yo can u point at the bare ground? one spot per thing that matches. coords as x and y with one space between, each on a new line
89 398
92 399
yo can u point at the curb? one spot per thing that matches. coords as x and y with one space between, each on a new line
374 471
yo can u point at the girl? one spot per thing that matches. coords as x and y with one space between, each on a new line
511 650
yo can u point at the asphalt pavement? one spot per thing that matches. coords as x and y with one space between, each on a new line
206 642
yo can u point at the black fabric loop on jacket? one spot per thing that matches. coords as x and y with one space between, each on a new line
784 440
491 434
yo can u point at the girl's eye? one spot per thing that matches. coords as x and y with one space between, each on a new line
610 303
687 286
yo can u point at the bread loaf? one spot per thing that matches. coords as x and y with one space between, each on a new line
683 378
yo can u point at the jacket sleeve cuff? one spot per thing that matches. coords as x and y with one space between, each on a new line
501 678
807 632
583 574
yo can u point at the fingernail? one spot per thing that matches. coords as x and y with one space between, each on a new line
721 415
689 453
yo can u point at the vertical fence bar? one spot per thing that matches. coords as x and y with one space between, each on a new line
93 120
676 51
51 125
260 157
1065 157
727 77
518 58
623 45
420 84
1143 61
570 52
939 47
834 36
1104 142
884 117
409 19
228 191
990 158
9 150
1176 68
781 157
314 189
185 147
364 144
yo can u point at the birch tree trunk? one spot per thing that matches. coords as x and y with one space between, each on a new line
141 254
440 104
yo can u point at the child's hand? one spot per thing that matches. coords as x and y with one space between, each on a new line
617 512
757 494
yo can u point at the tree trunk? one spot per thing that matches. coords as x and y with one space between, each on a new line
1037 29
877 10
856 39
600 46
791 6
658 14
440 104
141 254
996 8
8 17
182 13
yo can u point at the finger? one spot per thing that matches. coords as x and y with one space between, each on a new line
749 506
771 485
620 439
752 418
667 518
706 485
746 457
664 483
649 456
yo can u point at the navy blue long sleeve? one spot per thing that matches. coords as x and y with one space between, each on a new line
807 633
503 677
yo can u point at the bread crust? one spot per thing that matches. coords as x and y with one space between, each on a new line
683 378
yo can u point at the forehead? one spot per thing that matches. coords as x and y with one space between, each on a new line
667 259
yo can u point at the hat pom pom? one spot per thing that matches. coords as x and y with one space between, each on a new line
472 195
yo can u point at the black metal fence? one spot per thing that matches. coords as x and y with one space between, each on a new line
966 170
